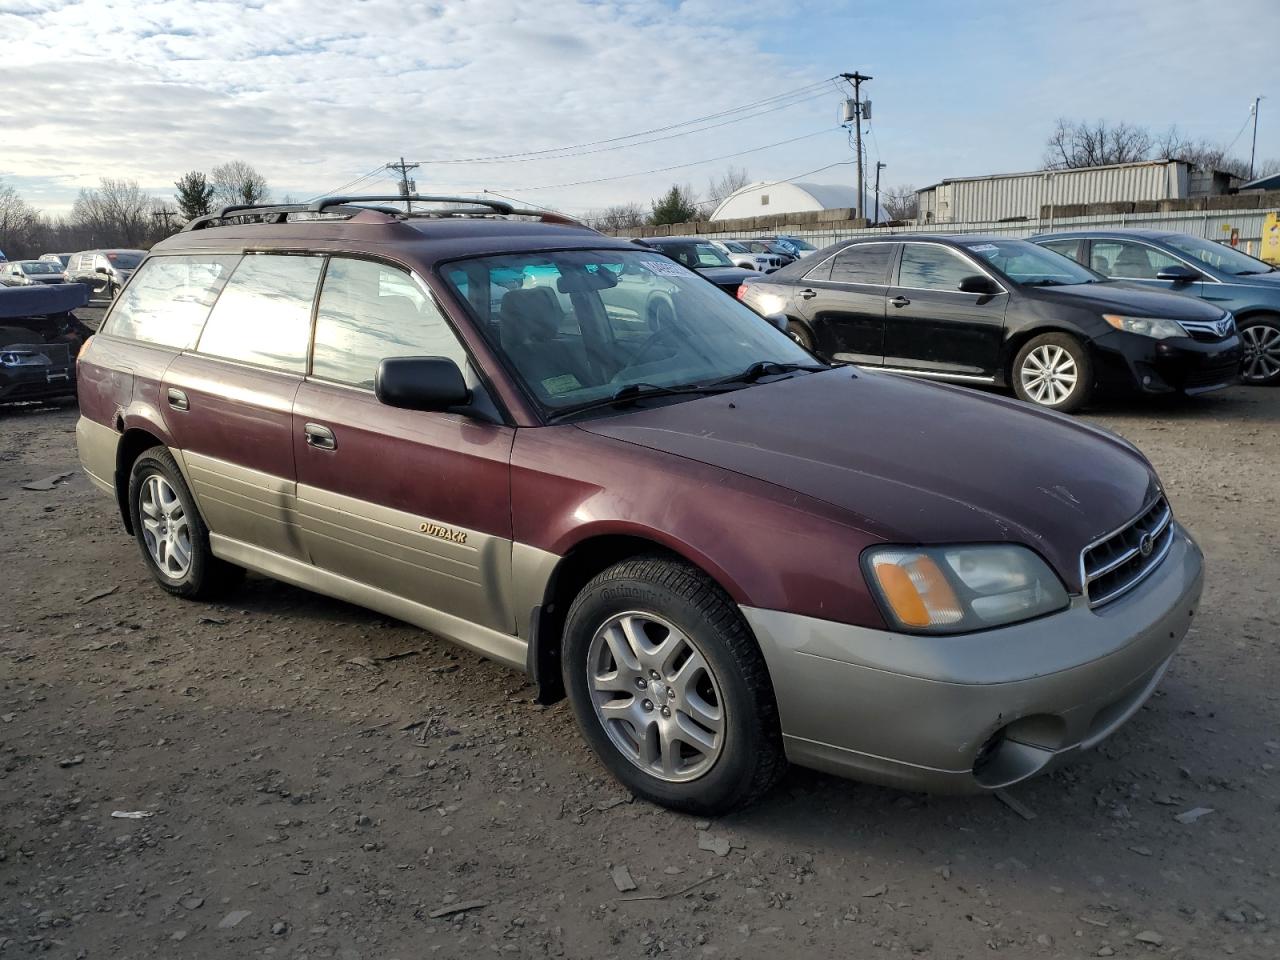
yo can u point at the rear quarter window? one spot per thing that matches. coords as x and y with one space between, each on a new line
169 300
263 316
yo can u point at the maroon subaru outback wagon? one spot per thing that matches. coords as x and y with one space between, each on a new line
573 456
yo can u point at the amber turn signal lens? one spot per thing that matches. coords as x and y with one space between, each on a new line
917 590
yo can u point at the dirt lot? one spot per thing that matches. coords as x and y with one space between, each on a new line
322 782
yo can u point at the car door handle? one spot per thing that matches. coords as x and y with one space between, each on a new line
900 301
807 294
321 438
177 399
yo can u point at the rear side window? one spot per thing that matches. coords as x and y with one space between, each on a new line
863 263
930 266
370 311
168 300
264 313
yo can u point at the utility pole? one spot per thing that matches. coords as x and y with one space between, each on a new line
165 214
1253 154
407 187
856 80
879 166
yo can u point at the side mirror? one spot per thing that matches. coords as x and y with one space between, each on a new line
420 383
1179 274
779 320
979 284
101 270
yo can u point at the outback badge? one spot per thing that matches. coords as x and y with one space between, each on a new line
444 533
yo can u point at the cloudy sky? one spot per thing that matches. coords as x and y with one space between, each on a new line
318 94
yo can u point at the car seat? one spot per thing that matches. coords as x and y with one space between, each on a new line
530 321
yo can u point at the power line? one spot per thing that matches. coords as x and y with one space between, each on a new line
678 166
545 155
349 184
807 88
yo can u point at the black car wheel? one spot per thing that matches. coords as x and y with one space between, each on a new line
800 334
670 689
1053 370
1261 338
171 533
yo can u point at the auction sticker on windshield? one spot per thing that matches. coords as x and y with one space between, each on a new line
985 248
666 268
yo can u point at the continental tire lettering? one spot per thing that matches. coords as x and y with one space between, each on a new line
443 533
625 593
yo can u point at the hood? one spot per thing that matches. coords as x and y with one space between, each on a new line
913 462
726 276
1270 281
1116 296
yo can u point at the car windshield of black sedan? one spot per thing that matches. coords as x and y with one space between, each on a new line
1219 256
1028 264
41 266
694 255
580 326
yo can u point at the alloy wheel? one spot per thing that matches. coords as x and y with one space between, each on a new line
656 696
1261 352
165 527
1049 374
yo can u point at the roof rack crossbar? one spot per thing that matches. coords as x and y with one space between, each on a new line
498 206
279 212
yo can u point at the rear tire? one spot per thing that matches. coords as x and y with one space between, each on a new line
670 689
800 334
171 533
1261 338
1053 371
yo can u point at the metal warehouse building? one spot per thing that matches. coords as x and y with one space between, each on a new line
1013 196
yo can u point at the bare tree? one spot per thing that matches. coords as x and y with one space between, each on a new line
622 216
117 213
19 224
1075 144
728 183
238 182
900 202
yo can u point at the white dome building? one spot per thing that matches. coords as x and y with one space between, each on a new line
764 198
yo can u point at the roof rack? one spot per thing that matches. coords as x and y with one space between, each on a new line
279 213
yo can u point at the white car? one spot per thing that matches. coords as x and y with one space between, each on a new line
742 257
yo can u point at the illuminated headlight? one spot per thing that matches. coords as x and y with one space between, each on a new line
1157 328
960 589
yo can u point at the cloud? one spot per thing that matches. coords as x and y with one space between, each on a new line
314 94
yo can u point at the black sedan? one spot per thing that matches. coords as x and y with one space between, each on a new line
702 257
999 311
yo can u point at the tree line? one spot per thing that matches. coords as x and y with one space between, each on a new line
120 213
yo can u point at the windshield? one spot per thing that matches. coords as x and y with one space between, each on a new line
124 260
1218 255
578 326
1026 263
800 244
734 246
40 266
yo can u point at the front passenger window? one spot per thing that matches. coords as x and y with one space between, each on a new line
931 266
371 311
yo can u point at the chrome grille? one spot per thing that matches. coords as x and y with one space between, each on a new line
1209 329
1116 564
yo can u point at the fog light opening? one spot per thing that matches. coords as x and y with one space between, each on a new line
987 752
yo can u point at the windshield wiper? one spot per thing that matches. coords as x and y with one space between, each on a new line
1254 273
765 368
640 391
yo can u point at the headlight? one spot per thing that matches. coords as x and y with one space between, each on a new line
1155 327
959 589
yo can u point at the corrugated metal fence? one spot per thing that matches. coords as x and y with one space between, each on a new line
1211 224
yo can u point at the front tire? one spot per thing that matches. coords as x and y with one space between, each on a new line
1261 338
1054 371
670 689
800 334
171 533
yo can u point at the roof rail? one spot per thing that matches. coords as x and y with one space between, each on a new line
279 213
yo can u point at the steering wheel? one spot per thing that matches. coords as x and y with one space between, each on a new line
639 358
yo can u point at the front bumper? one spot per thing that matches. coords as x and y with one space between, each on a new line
977 711
1179 364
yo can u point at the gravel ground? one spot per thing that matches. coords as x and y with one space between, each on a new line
319 781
